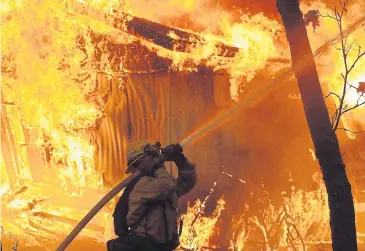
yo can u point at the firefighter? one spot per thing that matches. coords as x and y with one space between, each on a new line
146 216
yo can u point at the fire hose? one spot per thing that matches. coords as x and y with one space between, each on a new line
199 133
187 141
106 199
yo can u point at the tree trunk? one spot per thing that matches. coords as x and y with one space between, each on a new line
342 213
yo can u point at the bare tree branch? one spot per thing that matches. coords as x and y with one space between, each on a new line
355 106
349 47
360 55
291 224
346 49
347 130
335 116
328 16
333 93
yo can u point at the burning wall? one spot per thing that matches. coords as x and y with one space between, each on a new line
61 112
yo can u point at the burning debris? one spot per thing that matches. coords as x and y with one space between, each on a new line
72 98
167 37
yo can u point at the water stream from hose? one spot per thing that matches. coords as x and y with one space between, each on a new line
212 125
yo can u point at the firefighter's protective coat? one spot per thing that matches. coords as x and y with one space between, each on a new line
155 199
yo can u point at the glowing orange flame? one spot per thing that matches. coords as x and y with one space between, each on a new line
46 75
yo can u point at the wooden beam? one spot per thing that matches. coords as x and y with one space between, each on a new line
167 37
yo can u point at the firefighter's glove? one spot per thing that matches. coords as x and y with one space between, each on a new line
173 152
147 165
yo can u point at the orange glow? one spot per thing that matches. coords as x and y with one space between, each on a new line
47 75
332 65
198 229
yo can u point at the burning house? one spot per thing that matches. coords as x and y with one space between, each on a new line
80 79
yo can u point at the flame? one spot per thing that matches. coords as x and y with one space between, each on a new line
199 229
36 46
49 72
331 65
249 35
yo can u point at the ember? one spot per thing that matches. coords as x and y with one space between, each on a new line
82 78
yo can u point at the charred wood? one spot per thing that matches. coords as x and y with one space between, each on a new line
167 37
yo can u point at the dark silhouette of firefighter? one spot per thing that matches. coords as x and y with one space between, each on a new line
146 217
